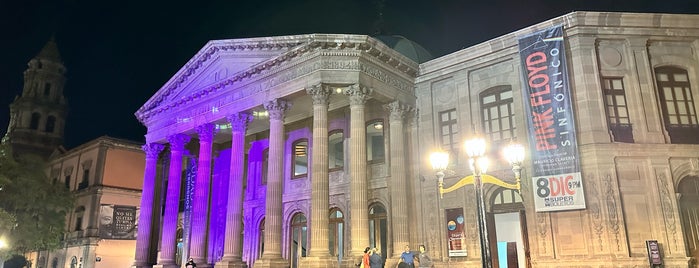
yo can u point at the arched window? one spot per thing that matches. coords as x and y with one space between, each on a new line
336 150
298 239
498 114
336 238
34 123
54 263
677 103
300 158
50 124
374 141
378 228
73 262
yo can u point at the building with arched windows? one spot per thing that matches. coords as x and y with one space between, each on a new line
300 151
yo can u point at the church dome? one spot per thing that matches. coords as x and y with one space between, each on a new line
406 47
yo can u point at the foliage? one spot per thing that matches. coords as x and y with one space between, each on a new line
32 209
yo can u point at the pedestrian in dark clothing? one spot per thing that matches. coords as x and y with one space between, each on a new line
375 260
423 258
190 263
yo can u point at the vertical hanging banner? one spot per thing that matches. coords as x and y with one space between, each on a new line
456 232
556 173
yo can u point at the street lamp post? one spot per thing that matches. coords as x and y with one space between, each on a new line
475 149
478 163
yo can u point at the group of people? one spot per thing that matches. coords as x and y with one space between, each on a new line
372 258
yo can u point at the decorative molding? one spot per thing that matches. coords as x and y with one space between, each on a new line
296 49
152 149
398 111
277 108
178 141
358 94
206 132
612 213
541 228
595 210
666 204
239 121
320 94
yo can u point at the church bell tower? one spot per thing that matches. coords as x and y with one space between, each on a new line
37 117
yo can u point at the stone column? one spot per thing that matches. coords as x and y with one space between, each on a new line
232 254
200 207
144 221
168 244
398 186
319 174
272 255
359 217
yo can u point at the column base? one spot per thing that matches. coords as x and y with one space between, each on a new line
277 262
318 262
166 265
230 264
141 265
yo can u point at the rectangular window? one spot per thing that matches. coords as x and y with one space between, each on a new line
86 180
678 105
498 115
47 89
336 152
449 130
67 182
617 109
375 142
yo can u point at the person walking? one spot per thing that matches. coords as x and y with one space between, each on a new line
190 263
375 260
424 260
365 258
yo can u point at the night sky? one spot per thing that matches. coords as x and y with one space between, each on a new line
119 53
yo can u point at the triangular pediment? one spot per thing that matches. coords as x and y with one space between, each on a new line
219 60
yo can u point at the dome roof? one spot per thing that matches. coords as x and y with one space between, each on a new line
406 47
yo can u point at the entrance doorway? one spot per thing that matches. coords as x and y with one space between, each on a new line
298 239
378 229
509 244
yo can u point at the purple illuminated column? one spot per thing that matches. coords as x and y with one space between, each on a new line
359 217
272 255
168 242
144 221
319 173
232 254
200 208
398 185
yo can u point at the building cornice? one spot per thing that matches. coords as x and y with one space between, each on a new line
296 46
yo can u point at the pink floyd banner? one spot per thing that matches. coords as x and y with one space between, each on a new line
552 141
456 232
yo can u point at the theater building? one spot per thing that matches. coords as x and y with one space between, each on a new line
300 151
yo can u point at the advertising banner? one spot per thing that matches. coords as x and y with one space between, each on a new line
556 177
456 233
118 222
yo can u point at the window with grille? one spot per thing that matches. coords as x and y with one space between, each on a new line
617 109
498 115
677 104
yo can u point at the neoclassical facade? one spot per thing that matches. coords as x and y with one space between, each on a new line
300 151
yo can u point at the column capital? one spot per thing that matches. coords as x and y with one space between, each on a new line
358 94
320 94
239 121
398 110
206 132
152 149
277 108
178 141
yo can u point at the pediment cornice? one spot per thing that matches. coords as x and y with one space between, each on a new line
290 48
